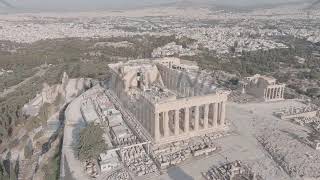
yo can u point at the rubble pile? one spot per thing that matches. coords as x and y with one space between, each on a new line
231 171
296 158
173 154
138 161
121 174
202 148
91 169
306 120
177 152
127 141
316 125
296 112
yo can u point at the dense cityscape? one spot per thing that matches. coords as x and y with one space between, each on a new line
185 90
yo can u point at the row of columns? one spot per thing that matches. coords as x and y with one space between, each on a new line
178 81
274 93
144 113
214 112
170 78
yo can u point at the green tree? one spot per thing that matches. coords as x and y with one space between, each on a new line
91 142
3 173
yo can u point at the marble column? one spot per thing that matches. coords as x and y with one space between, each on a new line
196 118
270 93
145 118
171 80
223 113
156 127
175 80
215 114
142 116
149 120
206 116
167 79
191 91
280 92
187 91
275 93
186 120
166 124
139 114
176 122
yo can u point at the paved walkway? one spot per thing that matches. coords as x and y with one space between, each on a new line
73 124
242 146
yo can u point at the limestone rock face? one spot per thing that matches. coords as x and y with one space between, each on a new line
50 93
65 78
64 83
67 90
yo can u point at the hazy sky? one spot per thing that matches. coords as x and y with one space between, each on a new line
105 4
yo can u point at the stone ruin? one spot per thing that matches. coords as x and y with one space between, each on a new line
138 161
165 102
294 155
263 87
91 169
121 174
235 170
174 153
309 111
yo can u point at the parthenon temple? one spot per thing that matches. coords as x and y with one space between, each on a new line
170 97
263 87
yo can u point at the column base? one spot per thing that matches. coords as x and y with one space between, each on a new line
184 136
273 100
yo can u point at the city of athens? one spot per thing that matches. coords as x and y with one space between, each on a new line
160 90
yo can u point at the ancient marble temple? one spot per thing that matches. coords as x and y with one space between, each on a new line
264 87
170 97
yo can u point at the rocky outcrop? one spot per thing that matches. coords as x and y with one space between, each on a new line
65 92
54 99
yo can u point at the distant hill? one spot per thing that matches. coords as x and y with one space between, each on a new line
231 5
315 4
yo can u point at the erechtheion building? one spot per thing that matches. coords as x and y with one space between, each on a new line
170 97
263 87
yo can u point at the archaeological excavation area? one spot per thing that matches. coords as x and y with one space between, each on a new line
167 119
